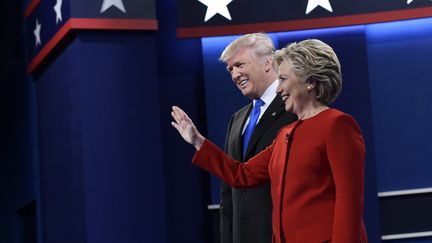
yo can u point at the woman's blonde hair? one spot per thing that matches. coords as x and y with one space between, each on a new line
314 61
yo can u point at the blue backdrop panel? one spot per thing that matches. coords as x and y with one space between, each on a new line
61 186
101 157
180 83
399 69
121 141
17 137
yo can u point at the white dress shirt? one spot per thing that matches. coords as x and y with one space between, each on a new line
267 97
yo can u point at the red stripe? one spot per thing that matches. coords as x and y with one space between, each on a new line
49 46
114 24
31 7
305 24
89 24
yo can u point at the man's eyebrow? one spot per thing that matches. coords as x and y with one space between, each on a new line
236 64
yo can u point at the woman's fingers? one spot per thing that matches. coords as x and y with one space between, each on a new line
181 115
176 126
176 115
185 127
181 119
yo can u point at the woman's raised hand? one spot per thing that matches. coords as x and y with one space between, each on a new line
186 128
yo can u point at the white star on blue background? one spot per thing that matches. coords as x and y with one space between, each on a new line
312 4
216 6
57 9
109 3
36 33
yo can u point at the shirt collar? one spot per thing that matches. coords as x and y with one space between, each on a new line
269 93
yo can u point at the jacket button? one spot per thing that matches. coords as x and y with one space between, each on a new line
243 191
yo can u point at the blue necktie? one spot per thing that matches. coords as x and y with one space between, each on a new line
256 110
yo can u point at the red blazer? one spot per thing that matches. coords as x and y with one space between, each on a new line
316 169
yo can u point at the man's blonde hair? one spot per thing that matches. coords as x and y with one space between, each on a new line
260 44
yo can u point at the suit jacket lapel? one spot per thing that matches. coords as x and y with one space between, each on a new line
274 110
236 132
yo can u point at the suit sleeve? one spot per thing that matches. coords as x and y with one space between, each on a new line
346 154
251 173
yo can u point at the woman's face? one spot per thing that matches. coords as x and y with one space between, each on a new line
291 89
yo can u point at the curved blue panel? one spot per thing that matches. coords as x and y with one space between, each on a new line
399 71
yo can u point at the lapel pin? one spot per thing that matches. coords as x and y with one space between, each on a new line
274 114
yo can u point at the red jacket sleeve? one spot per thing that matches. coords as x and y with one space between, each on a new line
346 154
234 173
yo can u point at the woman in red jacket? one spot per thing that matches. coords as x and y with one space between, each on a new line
315 165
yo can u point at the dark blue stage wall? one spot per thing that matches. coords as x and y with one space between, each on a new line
401 91
102 177
112 169
17 127
180 81
401 88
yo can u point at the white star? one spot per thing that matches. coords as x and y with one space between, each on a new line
36 33
57 9
216 6
409 1
312 4
108 3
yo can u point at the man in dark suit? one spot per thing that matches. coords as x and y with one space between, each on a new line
245 213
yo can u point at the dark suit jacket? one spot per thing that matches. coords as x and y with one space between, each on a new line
245 214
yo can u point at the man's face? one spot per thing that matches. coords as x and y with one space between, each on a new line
248 74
